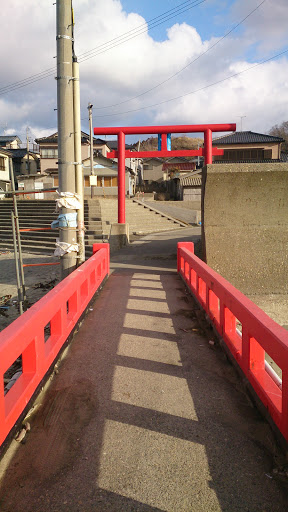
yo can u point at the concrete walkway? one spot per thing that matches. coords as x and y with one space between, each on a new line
143 414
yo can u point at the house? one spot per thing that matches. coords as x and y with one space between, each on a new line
25 162
152 170
105 179
135 164
176 167
248 147
49 150
5 161
10 142
163 169
190 186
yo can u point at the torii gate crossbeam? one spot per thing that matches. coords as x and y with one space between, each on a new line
121 154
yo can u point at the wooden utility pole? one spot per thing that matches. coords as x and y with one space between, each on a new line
27 144
66 162
90 106
78 159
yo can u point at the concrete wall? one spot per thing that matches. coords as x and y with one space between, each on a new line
154 173
29 184
245 225
191 194
48 163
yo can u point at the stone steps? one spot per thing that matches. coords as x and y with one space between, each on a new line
141 218
99 214
44 241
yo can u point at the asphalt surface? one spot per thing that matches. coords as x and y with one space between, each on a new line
145 414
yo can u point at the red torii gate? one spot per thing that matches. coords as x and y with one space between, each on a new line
121 154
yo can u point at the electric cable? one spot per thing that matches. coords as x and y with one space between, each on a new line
139 33
144 25
50 71
197 90
187 65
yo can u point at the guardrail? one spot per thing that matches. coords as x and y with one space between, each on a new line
38 335
228 310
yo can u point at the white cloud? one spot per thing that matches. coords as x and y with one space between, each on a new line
268 26
131 68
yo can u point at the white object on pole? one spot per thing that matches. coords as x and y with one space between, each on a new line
65 248
68 200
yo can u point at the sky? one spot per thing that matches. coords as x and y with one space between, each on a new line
148 63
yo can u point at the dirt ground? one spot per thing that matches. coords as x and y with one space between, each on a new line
38 280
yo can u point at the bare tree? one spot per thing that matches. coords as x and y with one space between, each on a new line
281 130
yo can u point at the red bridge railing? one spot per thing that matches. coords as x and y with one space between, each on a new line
57 313
228 309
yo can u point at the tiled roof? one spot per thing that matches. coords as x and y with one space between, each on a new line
246 138
19 153
113 145
9 138
54 138
185 166
5 151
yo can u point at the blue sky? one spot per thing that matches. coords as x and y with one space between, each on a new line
208 17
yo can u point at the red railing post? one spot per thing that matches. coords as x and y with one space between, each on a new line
121 177
208 146
97 247
183 245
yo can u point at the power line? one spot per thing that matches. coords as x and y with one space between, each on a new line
139 32
153 20
187 65
197 90
49 72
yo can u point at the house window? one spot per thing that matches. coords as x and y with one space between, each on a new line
103 181
2 163
49 152
107 181
237 155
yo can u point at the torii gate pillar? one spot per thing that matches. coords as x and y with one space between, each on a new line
121 178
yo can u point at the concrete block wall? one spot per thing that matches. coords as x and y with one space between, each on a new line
245 225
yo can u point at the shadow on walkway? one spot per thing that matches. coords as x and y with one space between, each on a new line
143 415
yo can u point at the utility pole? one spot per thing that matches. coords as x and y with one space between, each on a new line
66 164
27 144
78 160
241 117
90 106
